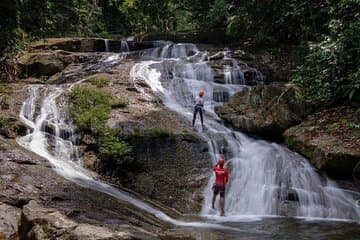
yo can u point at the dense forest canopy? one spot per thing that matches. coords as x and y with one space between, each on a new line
327 30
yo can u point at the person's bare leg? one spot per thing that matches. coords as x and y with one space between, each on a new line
222 204
213 200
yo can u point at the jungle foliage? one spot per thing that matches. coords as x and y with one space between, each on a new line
327 30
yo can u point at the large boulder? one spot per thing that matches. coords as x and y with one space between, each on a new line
330 141
264 110
45 63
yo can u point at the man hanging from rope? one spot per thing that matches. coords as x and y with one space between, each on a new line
222 177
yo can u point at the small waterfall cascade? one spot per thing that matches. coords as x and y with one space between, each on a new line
106 41
52 137
166 49
124 46
266 179
233 74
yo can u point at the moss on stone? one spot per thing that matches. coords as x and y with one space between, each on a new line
289 141
119 103
99 80
156 132
90 109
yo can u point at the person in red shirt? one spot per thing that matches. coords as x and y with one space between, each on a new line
222 177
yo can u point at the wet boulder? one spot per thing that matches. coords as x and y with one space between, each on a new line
329 141
264 110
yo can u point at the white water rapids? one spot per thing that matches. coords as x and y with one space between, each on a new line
262 173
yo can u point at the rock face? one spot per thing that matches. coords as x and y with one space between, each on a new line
9 221
46 64
171 169
329 141
264 110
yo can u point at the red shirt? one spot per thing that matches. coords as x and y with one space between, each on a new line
222 175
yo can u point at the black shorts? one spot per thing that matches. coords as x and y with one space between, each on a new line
219 189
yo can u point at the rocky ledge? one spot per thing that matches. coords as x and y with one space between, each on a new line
264 110
330 139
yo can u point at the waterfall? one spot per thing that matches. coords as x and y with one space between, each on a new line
106 41
170 50
59 148
266 179
124 46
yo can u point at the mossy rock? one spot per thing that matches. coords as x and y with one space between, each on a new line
265 110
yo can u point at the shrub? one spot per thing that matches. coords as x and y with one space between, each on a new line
318 74
99 80
89 107
110 146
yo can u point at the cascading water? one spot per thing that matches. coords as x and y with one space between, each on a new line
59 149
233 74
106 41
124 46
263 175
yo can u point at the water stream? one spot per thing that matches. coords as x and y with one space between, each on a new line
263 174
59 149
